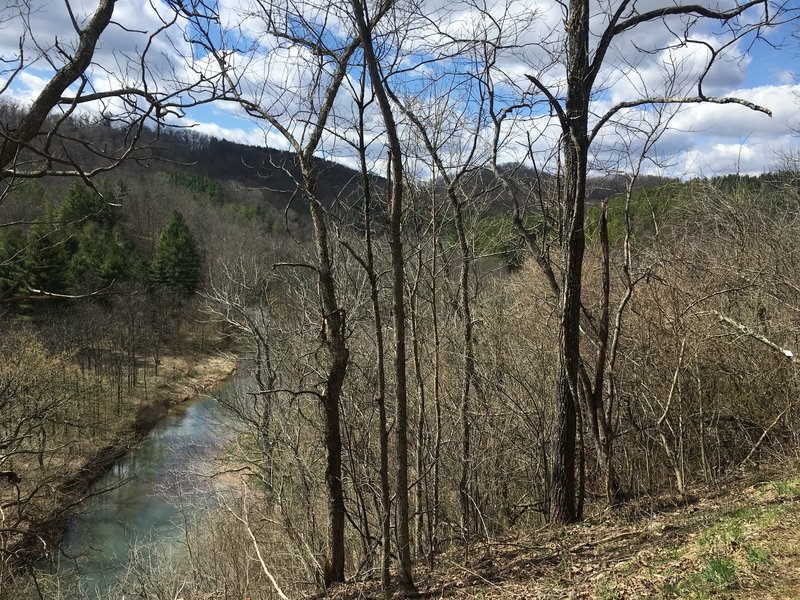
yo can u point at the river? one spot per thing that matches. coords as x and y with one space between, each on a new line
153 492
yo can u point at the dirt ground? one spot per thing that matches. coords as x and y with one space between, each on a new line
741 540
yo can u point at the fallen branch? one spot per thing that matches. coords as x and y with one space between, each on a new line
264 568
608 538
744 329
766 431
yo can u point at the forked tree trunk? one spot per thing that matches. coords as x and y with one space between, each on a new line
601 428
404 571
583 66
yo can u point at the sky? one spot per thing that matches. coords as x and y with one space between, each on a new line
698 140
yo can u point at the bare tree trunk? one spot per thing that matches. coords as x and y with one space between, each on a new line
576 145
420 495
433 524
386 507
334 338
468 372
404 571
466 494
334 331
562 484
601 429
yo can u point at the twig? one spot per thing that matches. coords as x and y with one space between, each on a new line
766 431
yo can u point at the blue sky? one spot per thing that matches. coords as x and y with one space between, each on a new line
701 140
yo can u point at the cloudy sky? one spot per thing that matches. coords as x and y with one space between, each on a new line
435 70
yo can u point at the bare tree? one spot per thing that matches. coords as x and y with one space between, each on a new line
303 125
396 183
149 88
368 262
585 58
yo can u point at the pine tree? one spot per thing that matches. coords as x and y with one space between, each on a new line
44 257
84 204
12 274
100 257
176 263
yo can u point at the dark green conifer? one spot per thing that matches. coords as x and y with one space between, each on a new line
176 263
45 257
84 204
100 258
12 273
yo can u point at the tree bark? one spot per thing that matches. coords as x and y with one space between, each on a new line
334 330
465 492
383 432
64 77
404 571
576 148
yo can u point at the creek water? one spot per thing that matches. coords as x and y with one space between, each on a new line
147 499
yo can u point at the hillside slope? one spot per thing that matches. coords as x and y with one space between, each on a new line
740 540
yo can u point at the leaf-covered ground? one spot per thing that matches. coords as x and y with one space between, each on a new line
739 541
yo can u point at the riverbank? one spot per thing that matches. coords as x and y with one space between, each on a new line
180 377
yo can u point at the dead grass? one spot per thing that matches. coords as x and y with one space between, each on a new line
739 541
70 467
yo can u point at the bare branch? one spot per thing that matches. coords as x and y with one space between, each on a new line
263 564
745 330
554 103
675 100
55 88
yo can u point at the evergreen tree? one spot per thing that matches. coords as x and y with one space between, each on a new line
176 263
45 257
12 244
84 204
100 258
78 247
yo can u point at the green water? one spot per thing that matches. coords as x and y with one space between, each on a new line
153 493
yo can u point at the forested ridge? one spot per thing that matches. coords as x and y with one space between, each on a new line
509 350
702 389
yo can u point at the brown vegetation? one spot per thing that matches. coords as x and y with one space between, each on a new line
67 418
551 360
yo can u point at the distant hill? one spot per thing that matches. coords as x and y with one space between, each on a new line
493 199
266 169
251 170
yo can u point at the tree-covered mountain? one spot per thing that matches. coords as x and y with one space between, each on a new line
265 175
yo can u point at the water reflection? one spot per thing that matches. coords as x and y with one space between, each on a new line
153 493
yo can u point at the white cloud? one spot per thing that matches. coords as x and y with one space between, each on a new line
44 29
708 139
250 137
673 71
29 87
708 160
277 75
